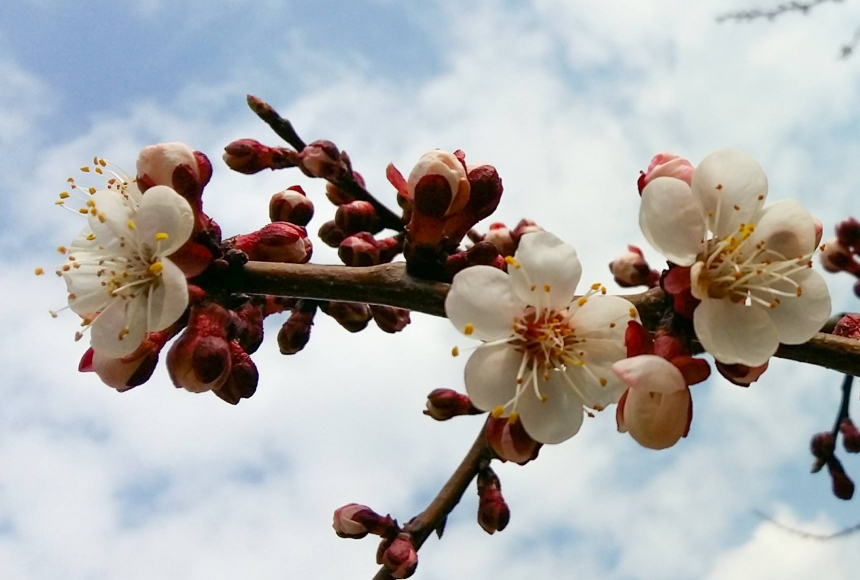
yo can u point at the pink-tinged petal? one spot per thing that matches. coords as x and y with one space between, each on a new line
797 319
556 418
732 188
672 220
163 211
677 280
649 373
735 333
491 376
120 328
546 271
482 303
619 413
787 230
168 299
695 370
656 420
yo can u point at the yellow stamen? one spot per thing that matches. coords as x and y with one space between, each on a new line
455 351
582 301
155 268
513 418
131 224
468 329
85 169
498 412
39 271
61 249
64 195
161 236
633 313
546 287
602 382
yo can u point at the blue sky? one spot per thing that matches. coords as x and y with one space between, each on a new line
569 101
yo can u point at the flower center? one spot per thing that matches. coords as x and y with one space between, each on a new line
544 339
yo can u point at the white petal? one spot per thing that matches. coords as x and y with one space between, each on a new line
556 419
113 371
798 319
595 380
604 316
672 220
86 286
650 373
491 375
481 296
163 211
726 180
786 228
546 271
735 333
169 299
657 421
120 316
113 212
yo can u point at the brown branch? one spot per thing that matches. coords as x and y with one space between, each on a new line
771 13
282 127
422 525
390 285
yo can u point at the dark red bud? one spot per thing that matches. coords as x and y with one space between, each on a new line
338 196
331 235
359 250
510 441
848 232
322 159
444 404
296 331
848 326
850 436
242 380
356 521
433 196
353 317
249 156
739 374
276 242
389 248
291 205
493 512
485 192
843 487
400 557
356 216
822 445
390 319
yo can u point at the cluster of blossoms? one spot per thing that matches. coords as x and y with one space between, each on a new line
841 253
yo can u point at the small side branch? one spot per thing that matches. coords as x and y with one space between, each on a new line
773 12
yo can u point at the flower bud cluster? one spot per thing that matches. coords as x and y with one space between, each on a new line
630 269
493 512
396 551
823 448
841 253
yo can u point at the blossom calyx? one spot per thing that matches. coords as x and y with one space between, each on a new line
324 160
291 205
630 269
399 556
200 359
666 165
444 404
356 521
276 242
249 156
741 375
493 511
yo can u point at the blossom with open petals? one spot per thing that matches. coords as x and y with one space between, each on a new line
749 263
117 271
547 354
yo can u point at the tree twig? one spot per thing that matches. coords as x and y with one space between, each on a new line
390 285
422 525
775 11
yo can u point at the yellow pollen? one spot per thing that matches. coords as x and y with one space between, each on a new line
602 382
64 195
102 217
598 408
582 301
84 211
760 197
774 304
513 418
61 249
102 162
60 202
737 208
533 287
719 186
70 180
131 224
99 170
579 363
710 214
39 271
543 398
78 335
122 333
92 190
510 260
546 287
93 211
66 268
611 325
632 313
455 351
799 290
85 169
155 268
595 286
497 412
468 329
603 290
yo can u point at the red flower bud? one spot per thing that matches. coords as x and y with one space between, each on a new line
666 165
357 216
331 235
248 327
493 512
242 381
400 557
850 436
739 374
249 156
356 521
296 331
848 232
390 319
443 404
389 248
156 165
848 326
822 445
322 159
291 205
199 360
524 227
338 196
835 256
510 441
353 317
276 242
502 238
630 269
359 250
843 487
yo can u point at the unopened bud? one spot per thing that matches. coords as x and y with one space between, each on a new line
400 557
848 233
276 242
510 441
493 512
249 156
739 374
850 436
242 381
322 159
835 257
338 196
199 360
822 445
502 238
390 319
359 250
525 226
843 487
356 216
630 269
291 205
438 185
666 165
248 326
356 521
389 248
443 404
481 254
848 326
485 193
330 234
156 164
296 331
352 316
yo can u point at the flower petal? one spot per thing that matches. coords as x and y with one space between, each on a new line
735 333
732 188
119 329
594 380
672 220
491 375
798 319
113 211
481 296
787 230
86 293
163 211
649 373
604 316
555 419
657 421
168 299
546 271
